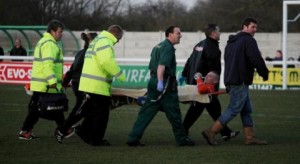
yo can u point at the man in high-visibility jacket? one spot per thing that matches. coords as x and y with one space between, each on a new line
47 72
98 71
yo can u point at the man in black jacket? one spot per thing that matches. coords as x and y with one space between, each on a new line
242 57
206 57
73 75
18 50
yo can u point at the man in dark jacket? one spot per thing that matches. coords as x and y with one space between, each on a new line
74 75
206 57
242 57
18 49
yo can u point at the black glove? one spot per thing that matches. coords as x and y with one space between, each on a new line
268 58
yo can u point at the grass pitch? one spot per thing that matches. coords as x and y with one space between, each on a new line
276 116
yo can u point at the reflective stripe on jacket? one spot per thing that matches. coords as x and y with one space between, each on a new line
47 68
100 65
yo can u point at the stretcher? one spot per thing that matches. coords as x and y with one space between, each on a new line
187 93
123 96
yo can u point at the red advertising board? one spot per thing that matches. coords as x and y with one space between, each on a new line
19 72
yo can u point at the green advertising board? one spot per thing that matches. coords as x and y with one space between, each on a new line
137 76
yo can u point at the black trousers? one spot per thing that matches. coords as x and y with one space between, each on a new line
34 114
75 117
95 121
196 109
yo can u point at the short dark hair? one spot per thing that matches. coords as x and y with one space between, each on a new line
170 30
54 25
116 30
93 35
279 51
209 29
86 40
247 21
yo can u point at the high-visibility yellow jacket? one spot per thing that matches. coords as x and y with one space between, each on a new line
47 68
100 66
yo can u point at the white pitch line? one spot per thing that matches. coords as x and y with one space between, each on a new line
9 104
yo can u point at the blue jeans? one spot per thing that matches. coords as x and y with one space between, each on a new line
239 103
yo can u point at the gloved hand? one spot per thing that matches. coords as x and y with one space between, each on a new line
160 86
141 100
122 78
268 58
181 80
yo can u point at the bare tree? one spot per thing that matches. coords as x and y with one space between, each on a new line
154 15
149 16
229 13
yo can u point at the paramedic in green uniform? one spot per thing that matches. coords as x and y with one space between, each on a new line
162 92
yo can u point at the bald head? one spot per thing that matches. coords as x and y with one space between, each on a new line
212 77
18 42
